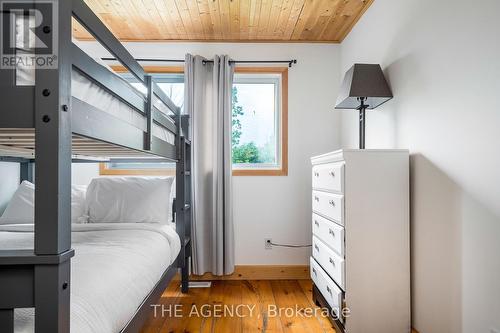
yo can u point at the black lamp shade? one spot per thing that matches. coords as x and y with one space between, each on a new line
363 80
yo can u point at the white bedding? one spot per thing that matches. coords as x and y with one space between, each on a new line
115 266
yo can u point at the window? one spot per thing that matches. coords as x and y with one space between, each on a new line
259 133
260 120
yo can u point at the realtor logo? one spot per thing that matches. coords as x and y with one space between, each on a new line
29 34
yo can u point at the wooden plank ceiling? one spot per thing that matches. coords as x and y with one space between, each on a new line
227 20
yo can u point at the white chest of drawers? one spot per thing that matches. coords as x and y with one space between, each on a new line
360 263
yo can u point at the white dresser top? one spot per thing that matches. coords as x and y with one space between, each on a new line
340 155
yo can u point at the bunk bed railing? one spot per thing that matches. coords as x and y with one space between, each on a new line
85 64
86 17
100 75
122 90
91 122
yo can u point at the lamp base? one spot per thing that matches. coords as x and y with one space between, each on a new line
362 114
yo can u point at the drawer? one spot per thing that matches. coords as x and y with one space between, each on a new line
329 205
330 291
331 262
329 177
329 232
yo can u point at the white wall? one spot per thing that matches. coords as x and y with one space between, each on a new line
276 207
442 59
83 173
9 180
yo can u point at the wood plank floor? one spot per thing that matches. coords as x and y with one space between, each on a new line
216 309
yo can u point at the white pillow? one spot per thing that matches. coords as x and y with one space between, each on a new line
129 200
21 208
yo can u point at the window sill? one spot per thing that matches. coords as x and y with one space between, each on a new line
105 171
260 172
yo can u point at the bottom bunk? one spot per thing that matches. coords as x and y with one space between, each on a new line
124 257
116 265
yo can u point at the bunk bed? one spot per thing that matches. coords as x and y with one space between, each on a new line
50 125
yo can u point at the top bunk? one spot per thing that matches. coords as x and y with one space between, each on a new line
107 116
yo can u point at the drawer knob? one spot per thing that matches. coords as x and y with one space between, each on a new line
328 289
331 232
332 262
316 223
332 203
314 271
332 173
316 247
316 198
316 174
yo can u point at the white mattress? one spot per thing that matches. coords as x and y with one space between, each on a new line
115 267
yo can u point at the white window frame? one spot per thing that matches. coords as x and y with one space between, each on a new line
257 170
278 76
265 78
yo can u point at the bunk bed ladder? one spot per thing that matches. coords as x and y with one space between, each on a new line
183 208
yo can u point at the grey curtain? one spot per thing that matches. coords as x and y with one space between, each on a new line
208 102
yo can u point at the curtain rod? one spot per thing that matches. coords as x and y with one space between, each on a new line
289 62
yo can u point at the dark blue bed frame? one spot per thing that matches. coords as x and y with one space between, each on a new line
40 278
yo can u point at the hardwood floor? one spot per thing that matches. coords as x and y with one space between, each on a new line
216 309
